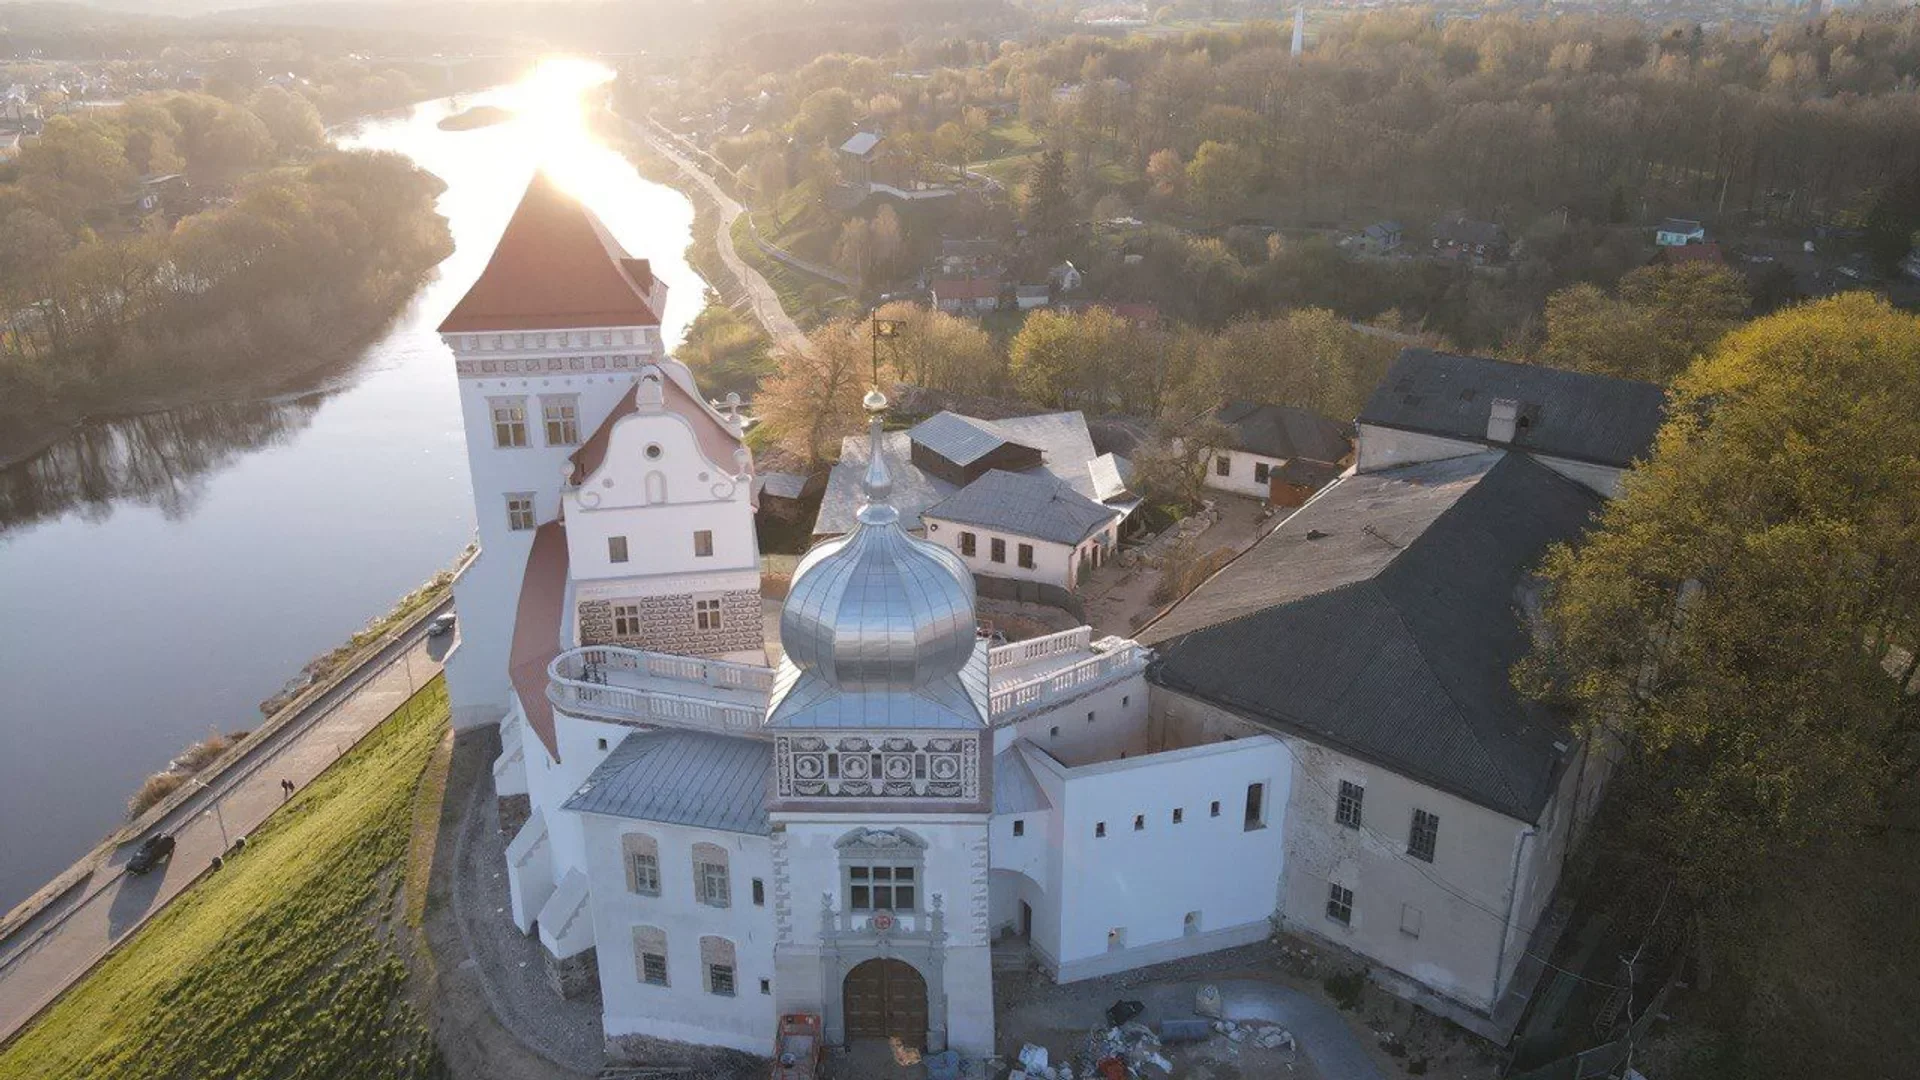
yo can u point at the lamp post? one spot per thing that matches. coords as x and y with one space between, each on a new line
218 817
882 328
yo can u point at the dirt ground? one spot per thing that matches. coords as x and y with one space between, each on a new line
1119 595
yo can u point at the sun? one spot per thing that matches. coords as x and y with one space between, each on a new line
551 115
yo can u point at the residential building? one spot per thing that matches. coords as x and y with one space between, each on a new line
966 296
1678 232
1028 297
1381 238
1464 239
1279 453
857 156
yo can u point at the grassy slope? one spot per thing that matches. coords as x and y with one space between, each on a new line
810 300
282 964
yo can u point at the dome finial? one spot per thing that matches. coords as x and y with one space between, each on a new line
879 482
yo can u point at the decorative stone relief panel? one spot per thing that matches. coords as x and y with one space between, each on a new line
671 624
596 622
549 365
865 767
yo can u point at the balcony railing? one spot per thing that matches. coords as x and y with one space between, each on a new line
1010 700
635 686
1024 652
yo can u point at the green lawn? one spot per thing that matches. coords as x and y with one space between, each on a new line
810 300
288 962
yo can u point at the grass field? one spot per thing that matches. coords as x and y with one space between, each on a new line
809 299
289 962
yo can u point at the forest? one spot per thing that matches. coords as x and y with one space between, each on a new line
250 255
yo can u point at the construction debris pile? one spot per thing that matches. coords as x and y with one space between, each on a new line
1127 1049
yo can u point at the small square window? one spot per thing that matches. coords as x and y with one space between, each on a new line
766 986
1179 815
1340 904
562 416
520 511
969 544
1126 700
1053 732
1089 718
1348 810
1099 829
599 744
706 614
1423 835
702 543
616 549
626 620
1222 466
1139 823
1019 827
1261 470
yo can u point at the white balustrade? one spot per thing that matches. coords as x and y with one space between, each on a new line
1012 699
1022 652
592 681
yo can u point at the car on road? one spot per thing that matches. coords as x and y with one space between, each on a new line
155 850
441 626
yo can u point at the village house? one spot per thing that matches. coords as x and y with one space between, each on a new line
1464 239
1381 238
966 296
1679 232
1023 499
1279 453
709 835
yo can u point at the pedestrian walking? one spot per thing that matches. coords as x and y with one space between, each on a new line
286 790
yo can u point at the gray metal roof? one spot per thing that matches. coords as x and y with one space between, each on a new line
1284 431
861 144
960 439
1026 505
1383 619
802 699
1015 791
682 778
1111 475
1062 439
780 485
1570 414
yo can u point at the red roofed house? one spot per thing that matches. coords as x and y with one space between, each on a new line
966 296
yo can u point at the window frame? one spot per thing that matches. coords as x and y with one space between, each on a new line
647 960
706 614
520 516
560 419
1423 836
969 545
618 550
1024 557
626 620
644 866
716 974
1255 815
703 543
1222 465
509 430
714 883
1349 808
1339 903
1262 472
862 881
997 550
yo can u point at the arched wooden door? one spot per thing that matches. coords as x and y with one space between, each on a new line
886 999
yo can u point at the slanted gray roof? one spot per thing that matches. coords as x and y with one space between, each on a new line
803 699
1568 414
861 144
1284 431
1015 791
780 485
1383 619
1111 475
1065 446
960 439
682 778
1680 225
1025 504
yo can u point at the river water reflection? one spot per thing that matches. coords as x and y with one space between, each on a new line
160 576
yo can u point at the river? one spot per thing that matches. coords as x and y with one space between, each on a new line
161 576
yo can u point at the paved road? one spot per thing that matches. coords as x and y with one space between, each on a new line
760 296
60 944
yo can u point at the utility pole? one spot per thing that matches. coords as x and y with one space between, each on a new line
882 328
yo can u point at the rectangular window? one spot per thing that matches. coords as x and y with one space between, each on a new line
1178 814
562 415
1099 829
706 614
702 543
1256 807
1348 810
1340 905
1222 466
998 550
969 544
1261 470
759 893
510 422
882 887
646 874
653 969
1026 556
1213 808
520 511
766 986
720 979
616 549
1423 834
626 620
1410 920
1019 827
713 884
1139 823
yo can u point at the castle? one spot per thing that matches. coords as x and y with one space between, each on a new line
854 816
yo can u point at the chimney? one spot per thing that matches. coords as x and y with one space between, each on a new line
1503 420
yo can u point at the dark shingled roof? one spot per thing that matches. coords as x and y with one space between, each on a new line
1284 431
1025 504
682 778
1568 414
960 439
1383 619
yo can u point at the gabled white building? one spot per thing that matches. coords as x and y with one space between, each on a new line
855 829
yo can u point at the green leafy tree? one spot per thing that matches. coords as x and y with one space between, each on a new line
1660 318
1049 205
1746 618
1221 175
290 119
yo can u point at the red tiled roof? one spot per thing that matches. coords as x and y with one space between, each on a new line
536 629
555 267
715 439
966 288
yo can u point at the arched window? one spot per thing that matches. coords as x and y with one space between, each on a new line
710 883
650 955
642 857
717 965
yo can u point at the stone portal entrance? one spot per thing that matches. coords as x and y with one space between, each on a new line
886 998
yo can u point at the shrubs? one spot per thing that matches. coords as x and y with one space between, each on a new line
1345 987
153 789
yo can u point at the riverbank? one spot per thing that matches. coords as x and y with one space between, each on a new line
246 299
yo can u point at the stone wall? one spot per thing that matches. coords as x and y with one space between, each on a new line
578 976
668 624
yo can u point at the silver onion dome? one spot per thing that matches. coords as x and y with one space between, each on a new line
877 609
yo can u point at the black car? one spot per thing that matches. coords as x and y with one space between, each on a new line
441 626
150 854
